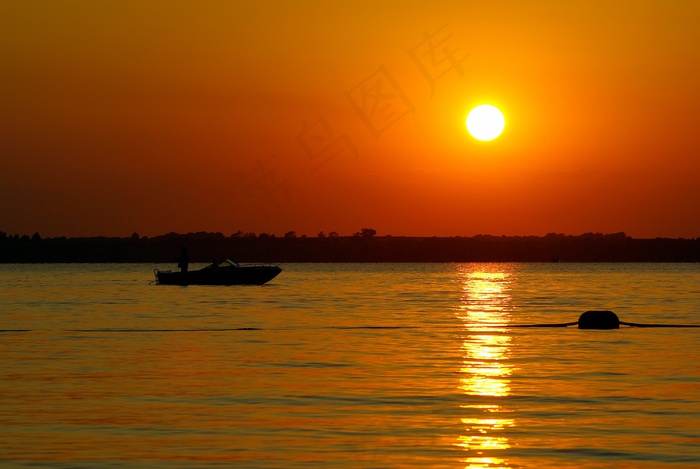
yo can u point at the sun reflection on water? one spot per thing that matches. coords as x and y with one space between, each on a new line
484 306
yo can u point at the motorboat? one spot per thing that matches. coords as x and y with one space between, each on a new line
226 272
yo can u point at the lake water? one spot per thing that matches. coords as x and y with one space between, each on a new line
350 366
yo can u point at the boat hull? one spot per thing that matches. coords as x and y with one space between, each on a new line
243 275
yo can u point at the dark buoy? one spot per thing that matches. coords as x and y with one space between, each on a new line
598 320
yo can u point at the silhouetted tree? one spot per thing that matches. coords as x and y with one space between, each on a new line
333 234
366 233
36 238
554 235
290 234
321 234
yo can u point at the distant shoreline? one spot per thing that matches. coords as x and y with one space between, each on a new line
205 247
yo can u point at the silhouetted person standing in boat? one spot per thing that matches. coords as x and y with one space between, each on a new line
184 262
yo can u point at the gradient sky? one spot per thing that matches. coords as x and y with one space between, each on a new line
271 116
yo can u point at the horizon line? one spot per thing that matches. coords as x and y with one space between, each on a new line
332 234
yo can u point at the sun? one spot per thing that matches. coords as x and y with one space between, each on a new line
485 122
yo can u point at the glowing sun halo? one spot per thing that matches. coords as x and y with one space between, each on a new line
485 122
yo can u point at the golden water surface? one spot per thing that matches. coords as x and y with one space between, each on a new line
350 365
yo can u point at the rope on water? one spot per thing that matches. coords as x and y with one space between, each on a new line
599 320
565 324
588 320
635 324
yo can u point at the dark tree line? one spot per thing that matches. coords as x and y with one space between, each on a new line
363 246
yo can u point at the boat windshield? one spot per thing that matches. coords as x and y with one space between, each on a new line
229 263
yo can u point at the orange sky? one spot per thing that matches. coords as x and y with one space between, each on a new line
271 116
